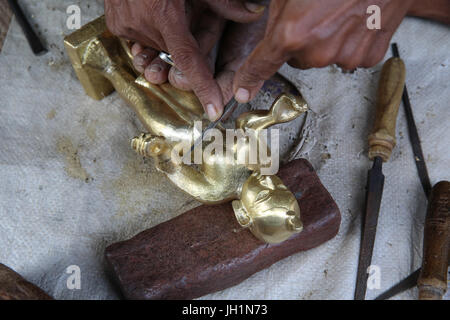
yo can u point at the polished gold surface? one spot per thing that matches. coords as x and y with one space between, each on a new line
262 203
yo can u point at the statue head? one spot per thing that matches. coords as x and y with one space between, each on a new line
268 208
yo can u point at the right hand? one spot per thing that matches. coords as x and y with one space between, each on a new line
317 33
165 25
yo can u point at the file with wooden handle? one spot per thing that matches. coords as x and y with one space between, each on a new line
381 143
432 281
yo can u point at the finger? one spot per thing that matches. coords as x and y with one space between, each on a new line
136 48
264 62
327 51
193 64
156 42
208 35
376 51
179 81
225 82
157 71
238 10
354 51
143 58
389 22
319 54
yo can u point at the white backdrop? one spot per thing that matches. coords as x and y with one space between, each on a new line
70 184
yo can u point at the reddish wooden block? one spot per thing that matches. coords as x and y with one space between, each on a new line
205 250
14 287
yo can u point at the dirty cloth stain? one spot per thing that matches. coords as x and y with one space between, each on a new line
72 161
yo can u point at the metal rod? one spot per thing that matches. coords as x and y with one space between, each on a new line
414 137
35 43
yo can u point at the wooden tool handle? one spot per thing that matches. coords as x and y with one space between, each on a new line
432 281
390 90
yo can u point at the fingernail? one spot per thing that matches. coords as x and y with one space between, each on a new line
140 59
155 68
211 111
139 68
242 95
254 7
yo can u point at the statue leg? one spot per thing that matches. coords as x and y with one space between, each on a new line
286 107
102 65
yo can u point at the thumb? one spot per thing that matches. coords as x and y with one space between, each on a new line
237 10
263 63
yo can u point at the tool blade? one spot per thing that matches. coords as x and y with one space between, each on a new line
227 112
414 137
375 183
406 284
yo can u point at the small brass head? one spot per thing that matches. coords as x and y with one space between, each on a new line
268 208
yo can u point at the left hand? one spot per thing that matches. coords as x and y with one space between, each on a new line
175 26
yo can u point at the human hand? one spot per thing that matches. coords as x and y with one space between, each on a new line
317 33
188 30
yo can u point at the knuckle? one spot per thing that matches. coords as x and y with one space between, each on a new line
202 90
374 59
320 60
183 60
347 65
184 55
250 76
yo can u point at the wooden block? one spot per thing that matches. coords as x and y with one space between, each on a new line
205 250
14 287
5 20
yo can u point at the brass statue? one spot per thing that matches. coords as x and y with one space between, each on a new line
260 202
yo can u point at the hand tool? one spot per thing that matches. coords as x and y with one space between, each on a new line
35 43
431 279
381 143
227 110
414 137
410 281
167 58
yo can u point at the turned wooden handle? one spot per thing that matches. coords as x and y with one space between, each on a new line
390 90
432 281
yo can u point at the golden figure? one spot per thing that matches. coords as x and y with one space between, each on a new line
261 202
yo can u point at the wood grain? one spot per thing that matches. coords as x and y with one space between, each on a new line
432 281
390 90
14 287
5 20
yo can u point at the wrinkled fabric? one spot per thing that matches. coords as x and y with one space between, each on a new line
71 185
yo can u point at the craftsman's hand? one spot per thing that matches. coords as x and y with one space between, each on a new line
237 43
317 33
175 26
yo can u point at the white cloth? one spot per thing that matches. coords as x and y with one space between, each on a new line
54 138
